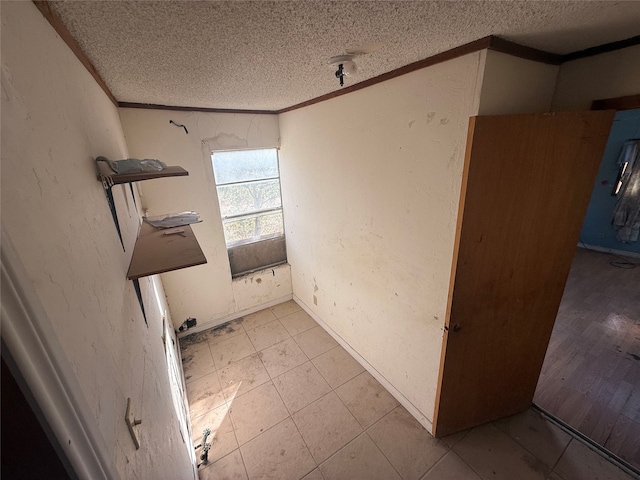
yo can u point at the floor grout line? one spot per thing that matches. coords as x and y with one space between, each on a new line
332 389
561 455
366 432
290 416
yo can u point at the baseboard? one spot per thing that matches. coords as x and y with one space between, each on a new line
404 401
232 316
612 251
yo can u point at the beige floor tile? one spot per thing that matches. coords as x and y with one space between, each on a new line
257 319
187 350
454 438
581 463
541 437
231 350
493 454
282 357
225 331
266 335
222 438
554 476
242 376
367 400
197 364
315 475
315 341
451 467
256 411
227 468
284 309
326 426
360 459
204 394
337 366
195 341
407 445
301 386
278 453
298 322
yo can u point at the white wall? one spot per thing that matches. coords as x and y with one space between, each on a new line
514 85
608 75
205 292
371 184
55 121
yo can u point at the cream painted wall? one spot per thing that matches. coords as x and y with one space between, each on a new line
608 75
205 292
55 121
515 85
371 184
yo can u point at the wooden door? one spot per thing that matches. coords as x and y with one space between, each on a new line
526 186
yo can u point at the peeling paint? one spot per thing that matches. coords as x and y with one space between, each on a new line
227 141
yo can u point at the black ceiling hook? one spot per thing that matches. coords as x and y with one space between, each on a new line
340 75
180 125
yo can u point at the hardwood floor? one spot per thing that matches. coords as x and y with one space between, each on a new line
591 374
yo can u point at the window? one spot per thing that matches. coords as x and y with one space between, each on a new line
248 186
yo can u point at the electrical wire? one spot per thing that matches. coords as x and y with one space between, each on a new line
625 263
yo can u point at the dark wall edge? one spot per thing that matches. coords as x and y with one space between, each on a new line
72 43
618 103
490 42
153 106
607 47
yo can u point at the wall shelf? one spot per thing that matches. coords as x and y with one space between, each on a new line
156 250
106 174
108 177
163 250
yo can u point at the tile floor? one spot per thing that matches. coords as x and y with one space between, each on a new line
285 401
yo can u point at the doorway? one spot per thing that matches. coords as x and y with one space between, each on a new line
590 379
28 451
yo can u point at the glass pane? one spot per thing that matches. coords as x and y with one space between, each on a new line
243 165
249 197
253 227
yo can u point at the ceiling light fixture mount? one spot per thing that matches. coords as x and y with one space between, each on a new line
345 66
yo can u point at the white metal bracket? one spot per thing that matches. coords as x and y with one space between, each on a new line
131 421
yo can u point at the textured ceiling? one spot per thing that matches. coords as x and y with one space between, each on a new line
271 55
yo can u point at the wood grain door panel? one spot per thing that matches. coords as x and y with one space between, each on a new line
526 187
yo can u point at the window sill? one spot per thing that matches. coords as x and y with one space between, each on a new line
250 257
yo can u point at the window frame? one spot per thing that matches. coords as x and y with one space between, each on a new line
253 213
249 255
